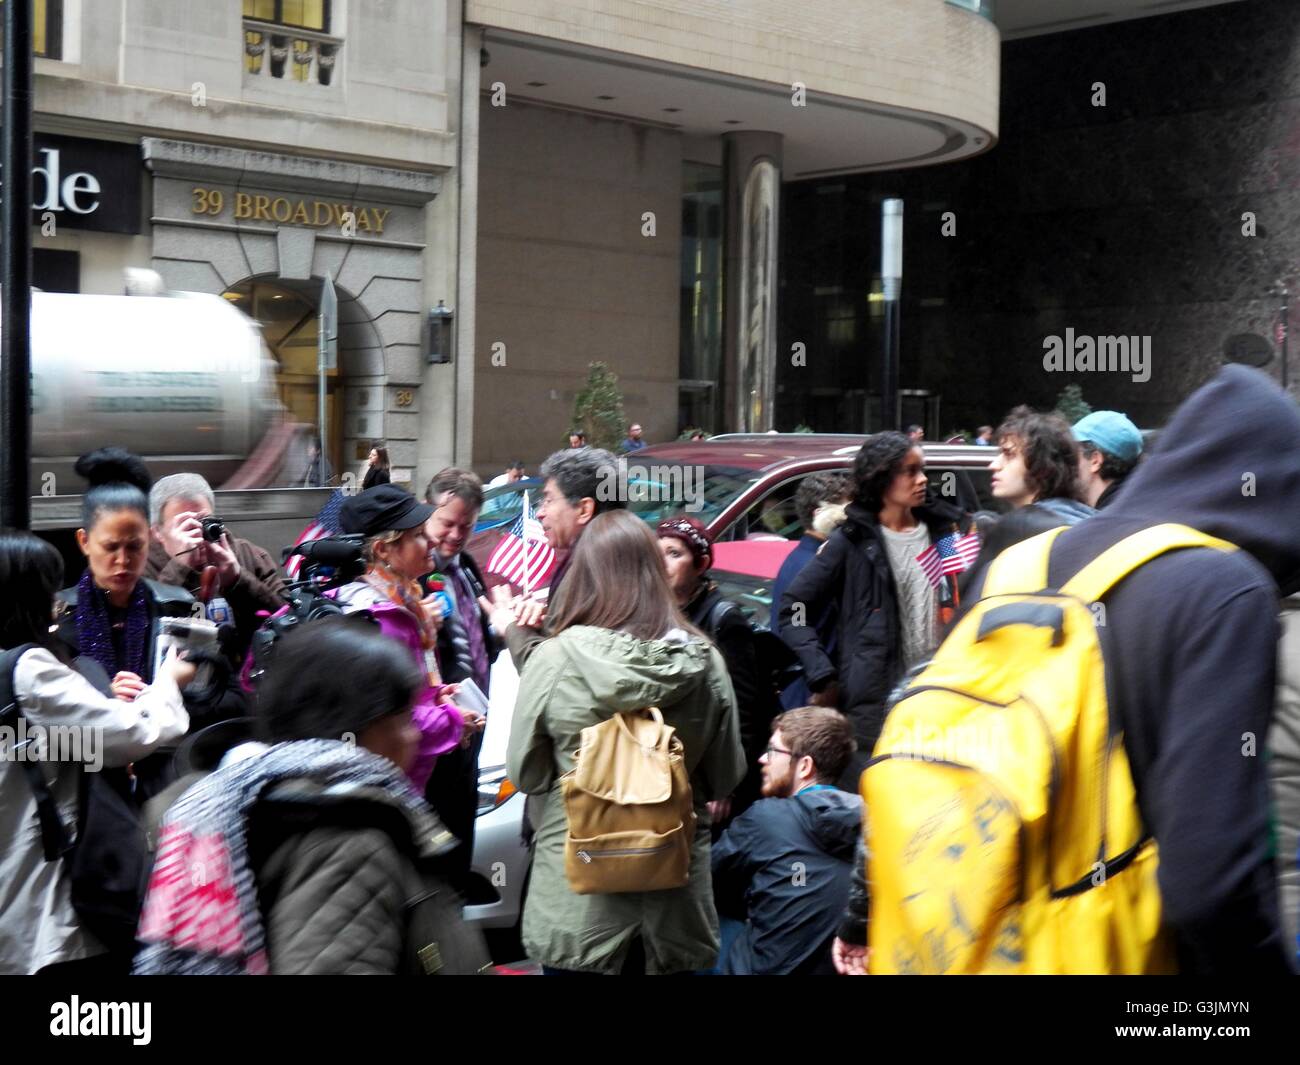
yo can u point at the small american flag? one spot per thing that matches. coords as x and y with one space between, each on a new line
524 542
953 553
326 523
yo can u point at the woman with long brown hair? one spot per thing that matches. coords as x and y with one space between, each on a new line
378 468
620 643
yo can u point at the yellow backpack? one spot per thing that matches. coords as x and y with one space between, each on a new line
1003 834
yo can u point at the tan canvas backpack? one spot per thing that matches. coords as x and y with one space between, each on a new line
629 808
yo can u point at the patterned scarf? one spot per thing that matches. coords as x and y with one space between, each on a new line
406 594
95 628
201 914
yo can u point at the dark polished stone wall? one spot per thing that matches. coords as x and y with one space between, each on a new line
1117 220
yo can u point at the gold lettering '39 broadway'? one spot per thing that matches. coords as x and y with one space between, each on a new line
261 207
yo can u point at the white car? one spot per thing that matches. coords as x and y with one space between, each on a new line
499 869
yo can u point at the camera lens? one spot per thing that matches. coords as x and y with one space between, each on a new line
213 529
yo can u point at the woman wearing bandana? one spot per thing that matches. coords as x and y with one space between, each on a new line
397 554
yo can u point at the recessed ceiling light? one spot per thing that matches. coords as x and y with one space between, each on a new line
535 84
672 110
734 121
602 97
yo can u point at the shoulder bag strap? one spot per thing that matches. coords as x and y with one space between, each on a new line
55 840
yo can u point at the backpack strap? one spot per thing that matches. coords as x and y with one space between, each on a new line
1021 567
662 735
1117 562
717 612
54 834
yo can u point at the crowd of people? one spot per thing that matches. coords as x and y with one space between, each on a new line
318 768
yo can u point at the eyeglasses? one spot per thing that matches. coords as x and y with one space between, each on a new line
777 750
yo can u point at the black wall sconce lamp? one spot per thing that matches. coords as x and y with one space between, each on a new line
441 337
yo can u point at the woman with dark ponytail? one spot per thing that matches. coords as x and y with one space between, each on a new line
109 616
112 606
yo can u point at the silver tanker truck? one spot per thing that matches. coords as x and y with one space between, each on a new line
186 381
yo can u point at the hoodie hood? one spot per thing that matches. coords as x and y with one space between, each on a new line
624 673
1070 511
834 820
1228 464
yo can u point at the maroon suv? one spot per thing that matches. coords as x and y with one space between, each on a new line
742 487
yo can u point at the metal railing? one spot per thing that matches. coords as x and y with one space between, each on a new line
294 54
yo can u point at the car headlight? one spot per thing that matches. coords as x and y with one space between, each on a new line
494 788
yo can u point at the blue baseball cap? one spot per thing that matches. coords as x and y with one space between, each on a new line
1111 432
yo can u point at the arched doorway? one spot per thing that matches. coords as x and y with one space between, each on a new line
288 312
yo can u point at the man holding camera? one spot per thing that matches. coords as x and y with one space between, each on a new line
188 544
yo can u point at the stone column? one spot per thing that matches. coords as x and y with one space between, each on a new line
752 168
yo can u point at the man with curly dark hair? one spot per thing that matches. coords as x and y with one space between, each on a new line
1036 471
867 571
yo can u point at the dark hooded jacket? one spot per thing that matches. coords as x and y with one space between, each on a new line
785 866
1190 647
751 680
997 533
851 572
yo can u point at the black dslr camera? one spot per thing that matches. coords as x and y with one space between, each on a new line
213 528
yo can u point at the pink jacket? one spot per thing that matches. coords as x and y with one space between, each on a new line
440 723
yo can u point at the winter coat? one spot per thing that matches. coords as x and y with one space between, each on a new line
580 678
797 692
785 865
440 723
152 773
345 888
1107 496
756 700
999 533
375 475
1190 649
39 926
852 572
453 788
454 669
164 600
853 925
258 587
1284 774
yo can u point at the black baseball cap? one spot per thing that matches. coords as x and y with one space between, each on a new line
382 508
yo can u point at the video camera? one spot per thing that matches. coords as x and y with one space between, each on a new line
329 561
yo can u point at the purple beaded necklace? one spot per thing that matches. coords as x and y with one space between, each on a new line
95 628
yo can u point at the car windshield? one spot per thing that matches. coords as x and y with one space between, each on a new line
652 492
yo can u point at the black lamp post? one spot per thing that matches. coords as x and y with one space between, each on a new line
16 269
891 275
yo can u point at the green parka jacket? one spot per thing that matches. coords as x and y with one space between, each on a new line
580 678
